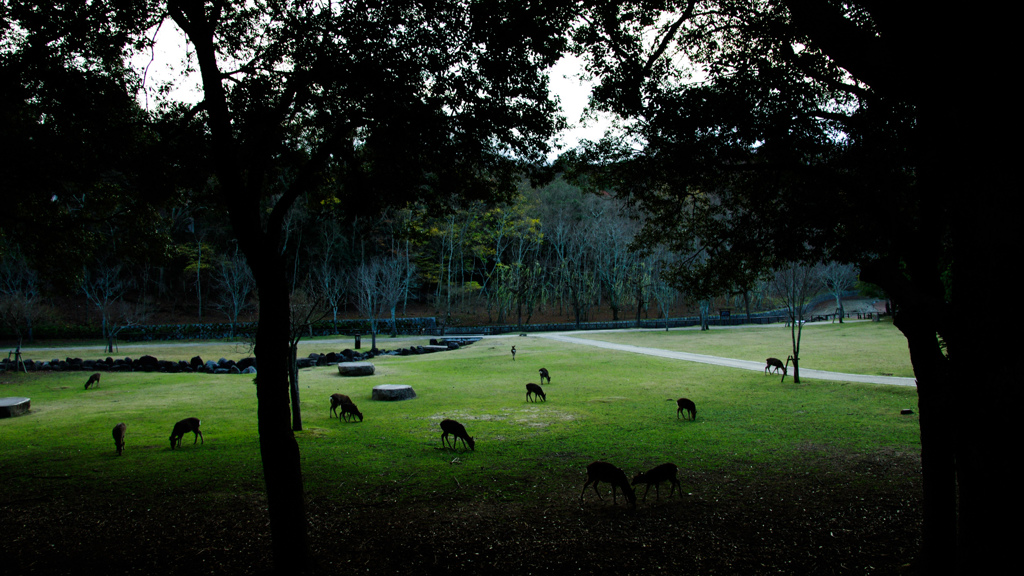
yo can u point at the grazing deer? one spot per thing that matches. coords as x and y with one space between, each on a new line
656 476
338 400
119 431
349 409
183 427
513 353
605 472
544 374
459 431
776 364
535 390
94 379
687 405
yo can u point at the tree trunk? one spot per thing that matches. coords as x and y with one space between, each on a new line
278 448
984 379
938 455
293 385
282 470
796 331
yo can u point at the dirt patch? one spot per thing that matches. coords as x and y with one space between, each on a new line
609 399
853 514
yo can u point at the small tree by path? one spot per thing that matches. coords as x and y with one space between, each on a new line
794 284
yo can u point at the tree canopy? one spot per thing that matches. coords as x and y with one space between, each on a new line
360 104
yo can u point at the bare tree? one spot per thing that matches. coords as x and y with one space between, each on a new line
328 272
105 287
394 278
663 292
368 297
640 280
838 278
795 284
380 285
613 259
235 282
576 271
450 246
19 295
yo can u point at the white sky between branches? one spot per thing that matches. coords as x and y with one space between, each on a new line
167 62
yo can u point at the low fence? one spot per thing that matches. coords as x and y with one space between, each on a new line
427 326
760 318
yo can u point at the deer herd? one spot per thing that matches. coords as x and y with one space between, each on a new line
598 471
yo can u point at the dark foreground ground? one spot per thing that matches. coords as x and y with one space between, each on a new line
843 514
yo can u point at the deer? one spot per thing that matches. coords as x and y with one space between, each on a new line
338 400
544 374
604 472
183 427
349 409
119 432
776 364
536 391
687 405
656 476
459 431
513 353
94 379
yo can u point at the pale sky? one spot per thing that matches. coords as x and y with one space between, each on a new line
573 93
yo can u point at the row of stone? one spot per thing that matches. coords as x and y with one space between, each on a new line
141 364
222 366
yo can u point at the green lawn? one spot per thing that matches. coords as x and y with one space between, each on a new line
601 405
860 347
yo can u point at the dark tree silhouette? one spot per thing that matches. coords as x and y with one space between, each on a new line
375 101
822 130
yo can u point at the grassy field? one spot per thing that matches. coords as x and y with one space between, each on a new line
601 404
859 347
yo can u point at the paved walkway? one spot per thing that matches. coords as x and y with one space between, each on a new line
730 362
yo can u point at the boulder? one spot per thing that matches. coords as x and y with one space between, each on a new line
389 392
355 368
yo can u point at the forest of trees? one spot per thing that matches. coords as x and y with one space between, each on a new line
554 250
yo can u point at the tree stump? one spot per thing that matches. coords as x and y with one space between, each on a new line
390 392
355 368
15 406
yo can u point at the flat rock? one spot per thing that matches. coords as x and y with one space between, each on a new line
355 368
390 392
16 406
